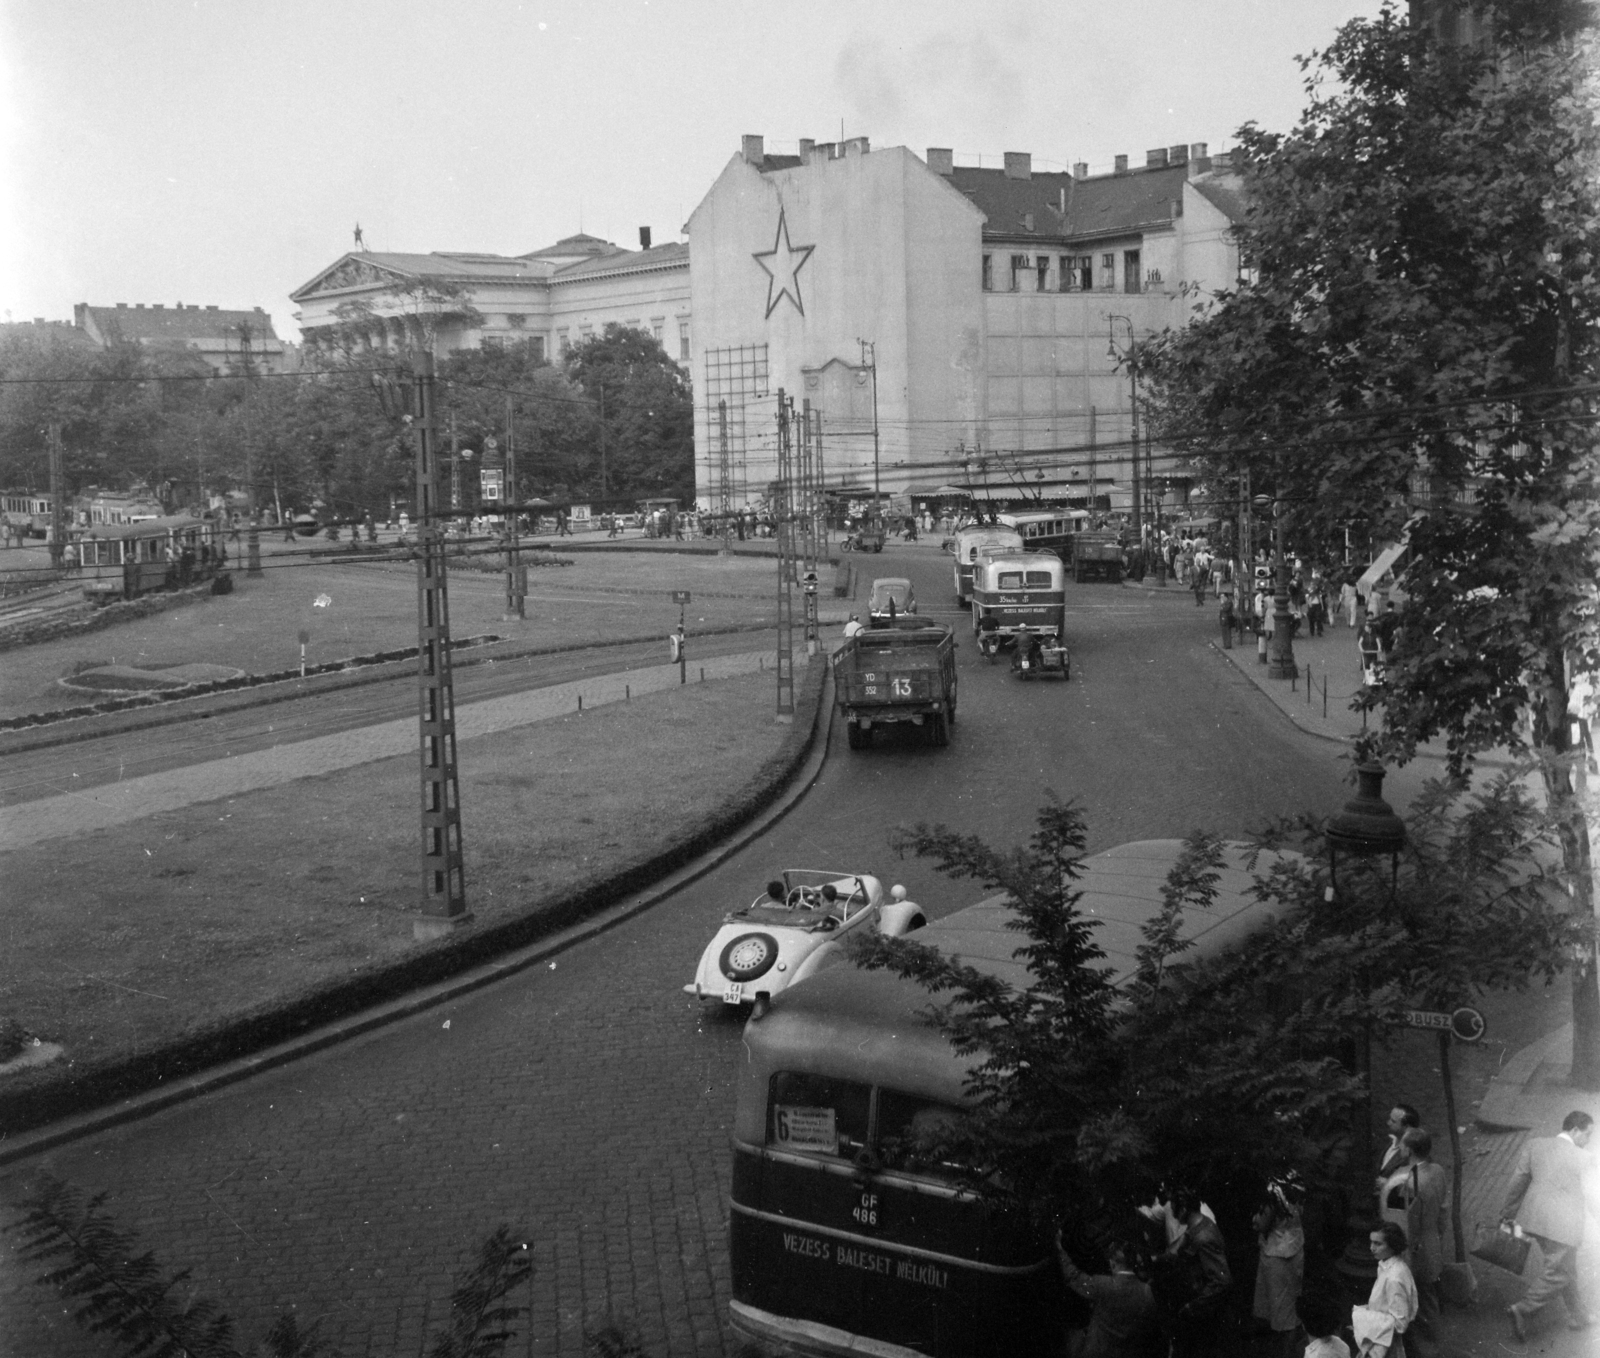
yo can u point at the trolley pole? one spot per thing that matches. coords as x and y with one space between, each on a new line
444 896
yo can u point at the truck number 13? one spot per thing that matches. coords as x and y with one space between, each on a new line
902 687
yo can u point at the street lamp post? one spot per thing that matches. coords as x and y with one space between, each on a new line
1281 662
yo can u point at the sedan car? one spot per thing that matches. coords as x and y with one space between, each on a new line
782 936
891 597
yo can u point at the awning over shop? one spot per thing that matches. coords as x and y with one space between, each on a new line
1381 565
938 492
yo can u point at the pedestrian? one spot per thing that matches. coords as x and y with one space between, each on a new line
1282 1268
1123 1322
1226 619
1402 1118
1379 1325
1547 1195
1347 603
1358 615
1321 1318
853 628
1367 645
69 556
1198 585
1427 1219
1203 1276
1387 628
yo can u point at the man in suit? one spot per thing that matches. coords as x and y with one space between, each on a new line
1124 1322
1427 1221
1547 1194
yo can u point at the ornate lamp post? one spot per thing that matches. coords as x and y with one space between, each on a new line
1281 663
1366 827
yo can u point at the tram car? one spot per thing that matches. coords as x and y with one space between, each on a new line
125 560
28 508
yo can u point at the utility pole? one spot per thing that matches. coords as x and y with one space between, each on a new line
1133 421
253 540
783 512
516 577
57 490
724 480
805 509
877 489
455 464
1092 469
444 894
604 484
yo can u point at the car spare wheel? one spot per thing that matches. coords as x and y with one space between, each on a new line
748 956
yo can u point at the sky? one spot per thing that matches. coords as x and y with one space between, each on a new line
221 152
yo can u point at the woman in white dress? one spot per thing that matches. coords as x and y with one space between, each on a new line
1379 1325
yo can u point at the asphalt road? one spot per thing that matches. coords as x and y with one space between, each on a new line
587 1102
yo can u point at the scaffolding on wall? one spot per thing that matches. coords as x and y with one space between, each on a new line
735 378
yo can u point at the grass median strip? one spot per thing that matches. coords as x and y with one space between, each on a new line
226 907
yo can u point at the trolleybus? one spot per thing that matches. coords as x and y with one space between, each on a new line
970 543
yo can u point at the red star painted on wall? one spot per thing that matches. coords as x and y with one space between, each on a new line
783 264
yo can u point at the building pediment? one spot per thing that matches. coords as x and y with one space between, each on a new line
350 272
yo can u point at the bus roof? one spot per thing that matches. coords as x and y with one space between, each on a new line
867 1025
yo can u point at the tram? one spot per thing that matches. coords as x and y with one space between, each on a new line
125 560
1048 530
29 508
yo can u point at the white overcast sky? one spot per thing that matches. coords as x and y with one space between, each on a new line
221 151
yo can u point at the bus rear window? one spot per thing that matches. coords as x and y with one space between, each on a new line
1039 578
1012 579
906 1124
817 1114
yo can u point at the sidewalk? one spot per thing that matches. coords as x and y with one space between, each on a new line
1529 1095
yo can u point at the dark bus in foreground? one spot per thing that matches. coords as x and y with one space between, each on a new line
842 1239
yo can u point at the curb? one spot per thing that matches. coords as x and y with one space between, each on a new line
804 768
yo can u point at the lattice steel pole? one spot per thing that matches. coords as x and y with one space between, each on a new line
783 513
724 479
806 513
444 895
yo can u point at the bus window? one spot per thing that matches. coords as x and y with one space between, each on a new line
1013 579
1039 578
906 1124
818 1114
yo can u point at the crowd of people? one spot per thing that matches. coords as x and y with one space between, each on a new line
1167 1289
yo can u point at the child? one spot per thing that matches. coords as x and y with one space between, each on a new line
1321 1318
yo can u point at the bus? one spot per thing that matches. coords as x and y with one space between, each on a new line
973 540
125 560
1019 589
841 1238
1048 530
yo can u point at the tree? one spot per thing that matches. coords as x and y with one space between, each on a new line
645 408
1414 353
1217 1071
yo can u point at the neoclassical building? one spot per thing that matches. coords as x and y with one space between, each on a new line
447 300
972 317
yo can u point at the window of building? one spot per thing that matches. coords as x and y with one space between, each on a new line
658 325
1042 264
1064 279
563 341
1108 270
585 333
537 345
683 341
1080 273
1019 266
1130 271
988 273
634 324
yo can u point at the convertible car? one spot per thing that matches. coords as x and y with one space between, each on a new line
782 936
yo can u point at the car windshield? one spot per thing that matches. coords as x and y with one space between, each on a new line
809 899
881 594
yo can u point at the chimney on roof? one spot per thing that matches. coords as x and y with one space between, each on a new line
122 306
856 146
213 308
752 148
159 306
1019 165
942 160
1027 221
1155 159
38 320
1120 165
1197 150
644 237
807 146
1080 169
1177 155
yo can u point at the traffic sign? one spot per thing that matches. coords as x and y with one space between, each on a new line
1467 1024
680 596
489 444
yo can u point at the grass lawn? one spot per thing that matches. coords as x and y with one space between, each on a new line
115 942
373 607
